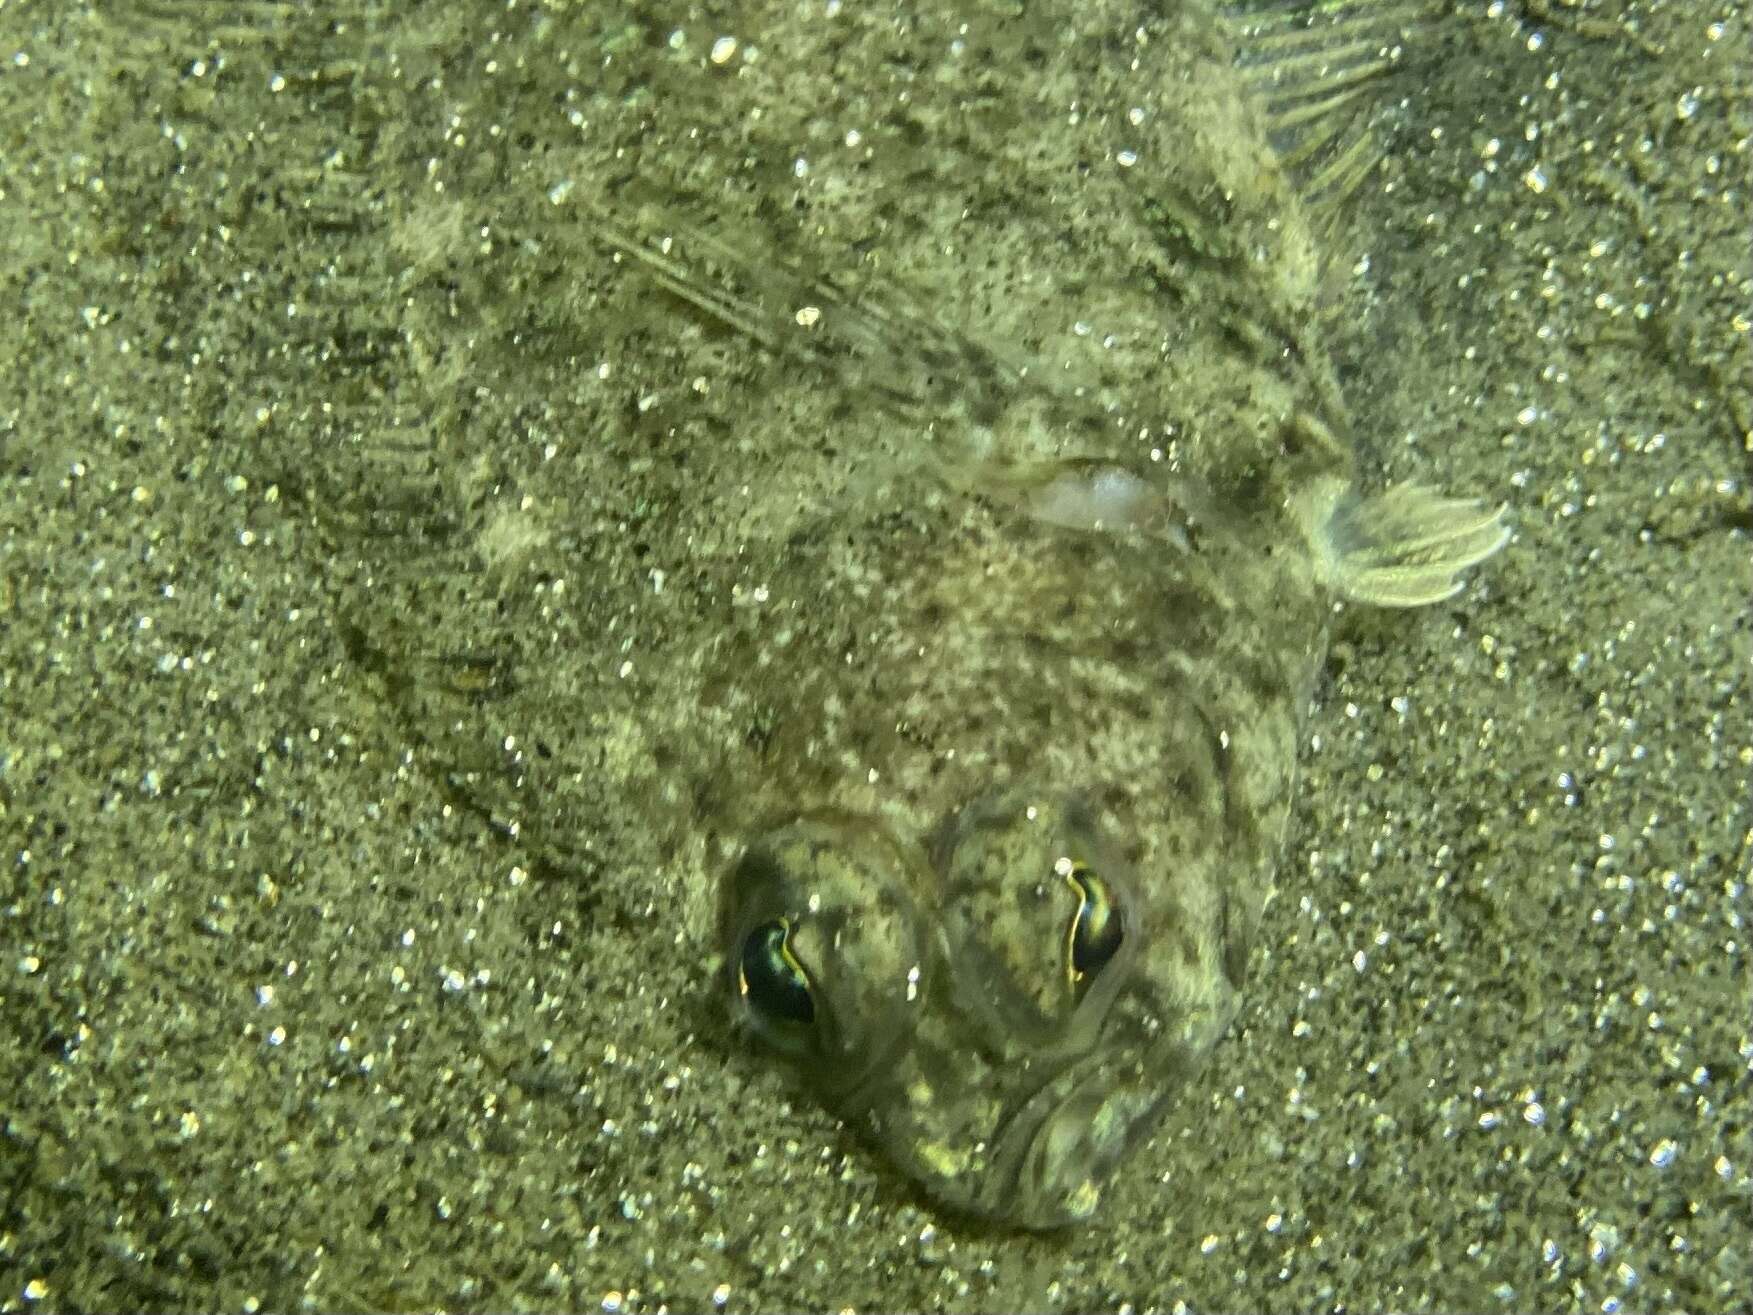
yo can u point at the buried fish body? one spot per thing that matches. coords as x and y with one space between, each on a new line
1025 787
995 762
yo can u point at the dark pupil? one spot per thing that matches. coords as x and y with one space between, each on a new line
1096 927
773 981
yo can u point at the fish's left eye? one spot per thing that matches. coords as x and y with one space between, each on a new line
1097 928
772 980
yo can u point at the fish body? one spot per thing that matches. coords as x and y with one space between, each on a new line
1022 887
1029 705
992 750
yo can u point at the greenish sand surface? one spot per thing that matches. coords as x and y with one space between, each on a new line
286 1026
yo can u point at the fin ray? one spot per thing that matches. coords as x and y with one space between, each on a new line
896 347
1407 546
1313 65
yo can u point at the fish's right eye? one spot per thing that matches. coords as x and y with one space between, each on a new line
1037 904
822 948
771 980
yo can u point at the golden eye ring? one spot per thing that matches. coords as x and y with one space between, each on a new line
770 980
1096 929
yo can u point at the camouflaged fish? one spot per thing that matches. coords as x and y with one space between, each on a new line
994 754
1028 793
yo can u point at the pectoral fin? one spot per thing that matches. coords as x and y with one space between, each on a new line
1405 547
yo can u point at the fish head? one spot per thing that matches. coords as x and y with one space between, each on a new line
986 1006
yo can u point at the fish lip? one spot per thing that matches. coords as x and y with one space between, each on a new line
1039 1181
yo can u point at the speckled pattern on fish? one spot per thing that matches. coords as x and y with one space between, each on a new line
357 480
995 745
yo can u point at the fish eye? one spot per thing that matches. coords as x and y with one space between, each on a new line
824 954
771 979
1096 930
1037 910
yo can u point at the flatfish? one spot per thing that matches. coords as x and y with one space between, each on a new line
989 737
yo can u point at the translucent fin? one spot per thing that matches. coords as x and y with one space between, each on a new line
1318 66
888 342
1405 547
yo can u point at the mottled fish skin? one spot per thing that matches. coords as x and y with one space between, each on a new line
988 729
1025 713
1012 818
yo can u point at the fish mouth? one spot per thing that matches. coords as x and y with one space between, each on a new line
1055 1156
1047 1164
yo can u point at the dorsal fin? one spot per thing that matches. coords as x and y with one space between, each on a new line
1320 68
